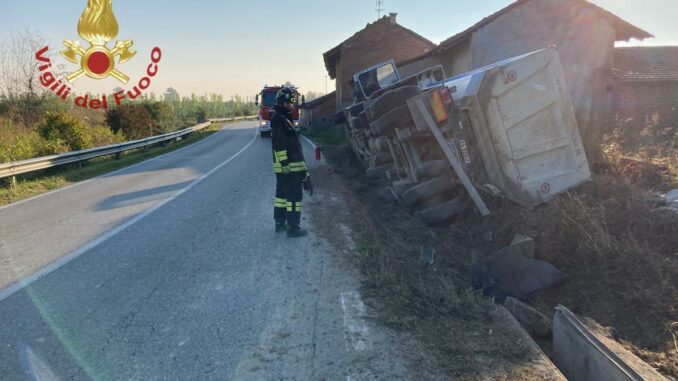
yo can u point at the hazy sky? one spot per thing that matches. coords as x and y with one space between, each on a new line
234 47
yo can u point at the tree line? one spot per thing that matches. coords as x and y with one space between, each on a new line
35 123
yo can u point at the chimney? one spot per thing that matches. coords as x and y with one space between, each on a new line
392 16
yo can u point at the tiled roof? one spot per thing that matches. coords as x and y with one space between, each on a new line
624 30
331 56
646 63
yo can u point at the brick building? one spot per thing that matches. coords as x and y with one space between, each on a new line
583 33
318 112
379 41
646 81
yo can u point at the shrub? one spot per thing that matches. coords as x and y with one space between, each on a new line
60 127
133 120
30 145
164 118
103 136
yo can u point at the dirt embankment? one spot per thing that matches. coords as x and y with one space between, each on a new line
417 280
618 247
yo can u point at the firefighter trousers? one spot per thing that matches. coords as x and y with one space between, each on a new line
288 195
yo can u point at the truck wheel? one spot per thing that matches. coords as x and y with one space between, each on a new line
399 117
381 158
427 189
433 168
263 134
377 172
401 186
445 211
390 100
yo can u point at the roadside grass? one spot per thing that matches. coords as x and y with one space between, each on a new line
619 247
612 237
33 184
433 300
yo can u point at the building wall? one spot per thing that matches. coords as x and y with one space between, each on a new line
376 44
641 99
454 61
457 60
585 43
320 114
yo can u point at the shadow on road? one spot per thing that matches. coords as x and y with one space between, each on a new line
138 197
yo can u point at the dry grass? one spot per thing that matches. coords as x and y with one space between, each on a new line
620 251
611 237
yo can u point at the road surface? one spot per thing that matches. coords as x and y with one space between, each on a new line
169 270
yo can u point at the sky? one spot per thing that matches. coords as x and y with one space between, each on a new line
235 47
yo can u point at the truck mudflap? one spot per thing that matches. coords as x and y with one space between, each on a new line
523 126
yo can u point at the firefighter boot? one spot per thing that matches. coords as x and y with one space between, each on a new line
280 226
296 231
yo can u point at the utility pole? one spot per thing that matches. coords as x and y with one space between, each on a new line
325 84
380 8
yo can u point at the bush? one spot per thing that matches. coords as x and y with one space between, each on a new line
30 145
60 127
134 120
103 136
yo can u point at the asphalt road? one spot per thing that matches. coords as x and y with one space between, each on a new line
170 270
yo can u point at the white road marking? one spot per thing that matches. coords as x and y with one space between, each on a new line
355 330
7 292
109 173
309 141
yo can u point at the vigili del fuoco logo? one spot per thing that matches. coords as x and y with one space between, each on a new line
98 26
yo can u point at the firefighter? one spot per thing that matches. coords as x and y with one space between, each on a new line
289 166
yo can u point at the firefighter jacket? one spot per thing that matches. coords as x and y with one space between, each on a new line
287 151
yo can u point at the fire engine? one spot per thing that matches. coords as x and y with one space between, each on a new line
266 102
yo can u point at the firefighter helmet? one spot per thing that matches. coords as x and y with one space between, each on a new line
286 94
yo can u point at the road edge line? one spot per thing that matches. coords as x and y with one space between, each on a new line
37 196
27 281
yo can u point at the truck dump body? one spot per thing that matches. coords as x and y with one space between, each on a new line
507 129
524 125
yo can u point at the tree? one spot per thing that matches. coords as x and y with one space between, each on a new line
311 95
134 120
172 95
20 87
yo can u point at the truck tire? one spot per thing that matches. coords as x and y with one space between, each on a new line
379 144
381 158
377 172
401 186
399 117
433 168
445 211
426 189
390 100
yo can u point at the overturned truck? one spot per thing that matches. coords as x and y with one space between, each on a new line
504 130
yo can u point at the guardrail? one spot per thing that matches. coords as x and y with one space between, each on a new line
15 168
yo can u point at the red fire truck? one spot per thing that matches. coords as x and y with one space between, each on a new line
266 101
